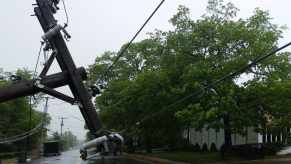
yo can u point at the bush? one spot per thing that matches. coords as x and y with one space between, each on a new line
7 148
196 148
246 151
7 155
204 148
213 147
184 145
271 149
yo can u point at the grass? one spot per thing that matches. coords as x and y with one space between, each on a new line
212 157
189 157
7 155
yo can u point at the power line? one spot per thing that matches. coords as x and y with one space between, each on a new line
121 53
21 136
26 134
253 63
77 118
67 15
37 61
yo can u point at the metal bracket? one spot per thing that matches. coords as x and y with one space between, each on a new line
48 64
58 95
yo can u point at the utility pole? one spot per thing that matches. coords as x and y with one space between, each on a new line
70 75
44 122
62 124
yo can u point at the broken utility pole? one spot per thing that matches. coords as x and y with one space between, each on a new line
70 75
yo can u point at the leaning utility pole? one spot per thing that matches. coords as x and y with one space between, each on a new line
72 76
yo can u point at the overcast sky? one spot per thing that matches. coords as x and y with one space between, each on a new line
97 26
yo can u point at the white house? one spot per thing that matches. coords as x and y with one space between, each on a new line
217 137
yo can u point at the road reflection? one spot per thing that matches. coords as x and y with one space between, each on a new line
114 161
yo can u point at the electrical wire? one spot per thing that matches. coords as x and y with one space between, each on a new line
37 61
25 134
21 136
67 15
29 133
76 118
121 53
202 90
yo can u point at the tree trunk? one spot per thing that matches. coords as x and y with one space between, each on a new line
148 143
264 135
269 137
188 135
284 135
227 131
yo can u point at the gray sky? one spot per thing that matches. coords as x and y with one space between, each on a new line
97 26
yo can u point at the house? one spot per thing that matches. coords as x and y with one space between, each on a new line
217 137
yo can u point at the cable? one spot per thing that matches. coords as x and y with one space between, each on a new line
202 90
28 133
18 139
121 53
67 15
31 131
253 63
76 118
37 61
21 136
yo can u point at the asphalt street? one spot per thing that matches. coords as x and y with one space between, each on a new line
72 157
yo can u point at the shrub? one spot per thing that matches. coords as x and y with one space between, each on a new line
245 151
197 148
213 147
271 149
204 148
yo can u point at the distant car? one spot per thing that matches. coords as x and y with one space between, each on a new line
51 148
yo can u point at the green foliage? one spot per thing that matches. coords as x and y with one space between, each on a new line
170 65
15 117
69 140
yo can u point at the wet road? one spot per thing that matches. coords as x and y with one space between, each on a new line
72 157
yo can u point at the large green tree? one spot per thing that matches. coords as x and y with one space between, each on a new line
170 65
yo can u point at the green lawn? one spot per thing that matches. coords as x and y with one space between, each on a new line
189 157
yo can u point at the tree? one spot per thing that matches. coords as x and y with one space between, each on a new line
170 65
69 140
15 115
224 45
